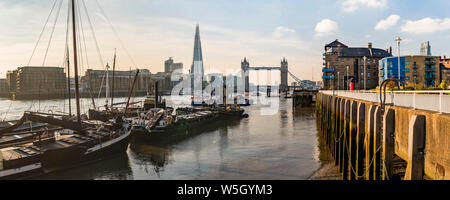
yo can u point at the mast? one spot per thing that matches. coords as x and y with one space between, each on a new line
131 91
68 81
113 79
107 85
75 59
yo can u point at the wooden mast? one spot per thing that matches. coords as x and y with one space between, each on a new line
75 59
113 80
68 82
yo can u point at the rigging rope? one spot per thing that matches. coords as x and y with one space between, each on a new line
115 32
53 30
42 32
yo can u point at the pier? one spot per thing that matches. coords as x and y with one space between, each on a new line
303 98
404 137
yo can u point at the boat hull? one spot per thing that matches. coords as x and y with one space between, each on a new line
185 129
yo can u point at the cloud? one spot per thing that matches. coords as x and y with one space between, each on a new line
353 5
426 25
326 27
387 23
280 31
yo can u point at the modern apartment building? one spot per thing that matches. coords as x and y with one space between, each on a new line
414 70
170 66
343 65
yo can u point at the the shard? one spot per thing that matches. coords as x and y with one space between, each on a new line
197 71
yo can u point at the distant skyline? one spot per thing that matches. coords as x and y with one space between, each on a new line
264 31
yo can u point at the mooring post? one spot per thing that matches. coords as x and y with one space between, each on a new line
370 143
352 140
337 131
341 137
361 127
346 140
416 148
388 144
377 143
332 131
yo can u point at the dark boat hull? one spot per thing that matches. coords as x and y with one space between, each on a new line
116 146
185 129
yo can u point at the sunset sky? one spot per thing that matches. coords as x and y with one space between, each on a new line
264 31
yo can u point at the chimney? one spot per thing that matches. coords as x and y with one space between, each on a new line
390 49
339 48
369 46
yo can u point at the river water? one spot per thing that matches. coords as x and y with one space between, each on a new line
277 145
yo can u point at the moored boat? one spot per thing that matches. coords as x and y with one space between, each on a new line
161 125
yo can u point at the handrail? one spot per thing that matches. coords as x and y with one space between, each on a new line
437 100
395 91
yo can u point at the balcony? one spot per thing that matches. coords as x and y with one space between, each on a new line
429 69
430 62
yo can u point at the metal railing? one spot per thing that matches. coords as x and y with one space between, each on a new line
432 100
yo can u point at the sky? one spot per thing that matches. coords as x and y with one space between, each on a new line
148 32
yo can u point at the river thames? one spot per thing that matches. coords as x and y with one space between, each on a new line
280 145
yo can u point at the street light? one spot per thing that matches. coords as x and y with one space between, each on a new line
365 58
339 80
347 76
398 40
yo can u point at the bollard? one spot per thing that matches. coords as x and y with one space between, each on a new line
416 148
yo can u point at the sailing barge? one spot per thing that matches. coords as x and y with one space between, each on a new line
70 145
159 125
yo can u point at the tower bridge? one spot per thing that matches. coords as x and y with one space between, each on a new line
284 72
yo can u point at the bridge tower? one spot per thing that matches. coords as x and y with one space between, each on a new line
245 65
284 75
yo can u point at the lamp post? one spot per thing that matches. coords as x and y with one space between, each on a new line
398 40
339 79
347 76
365 77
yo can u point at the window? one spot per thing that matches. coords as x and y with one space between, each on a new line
407 78
368 74
407 69
407 63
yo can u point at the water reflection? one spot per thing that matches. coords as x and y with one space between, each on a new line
279 146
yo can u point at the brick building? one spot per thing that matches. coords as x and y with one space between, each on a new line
123 80
445 70
34 82
348 65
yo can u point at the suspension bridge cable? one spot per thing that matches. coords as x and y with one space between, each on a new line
51 34
42 32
